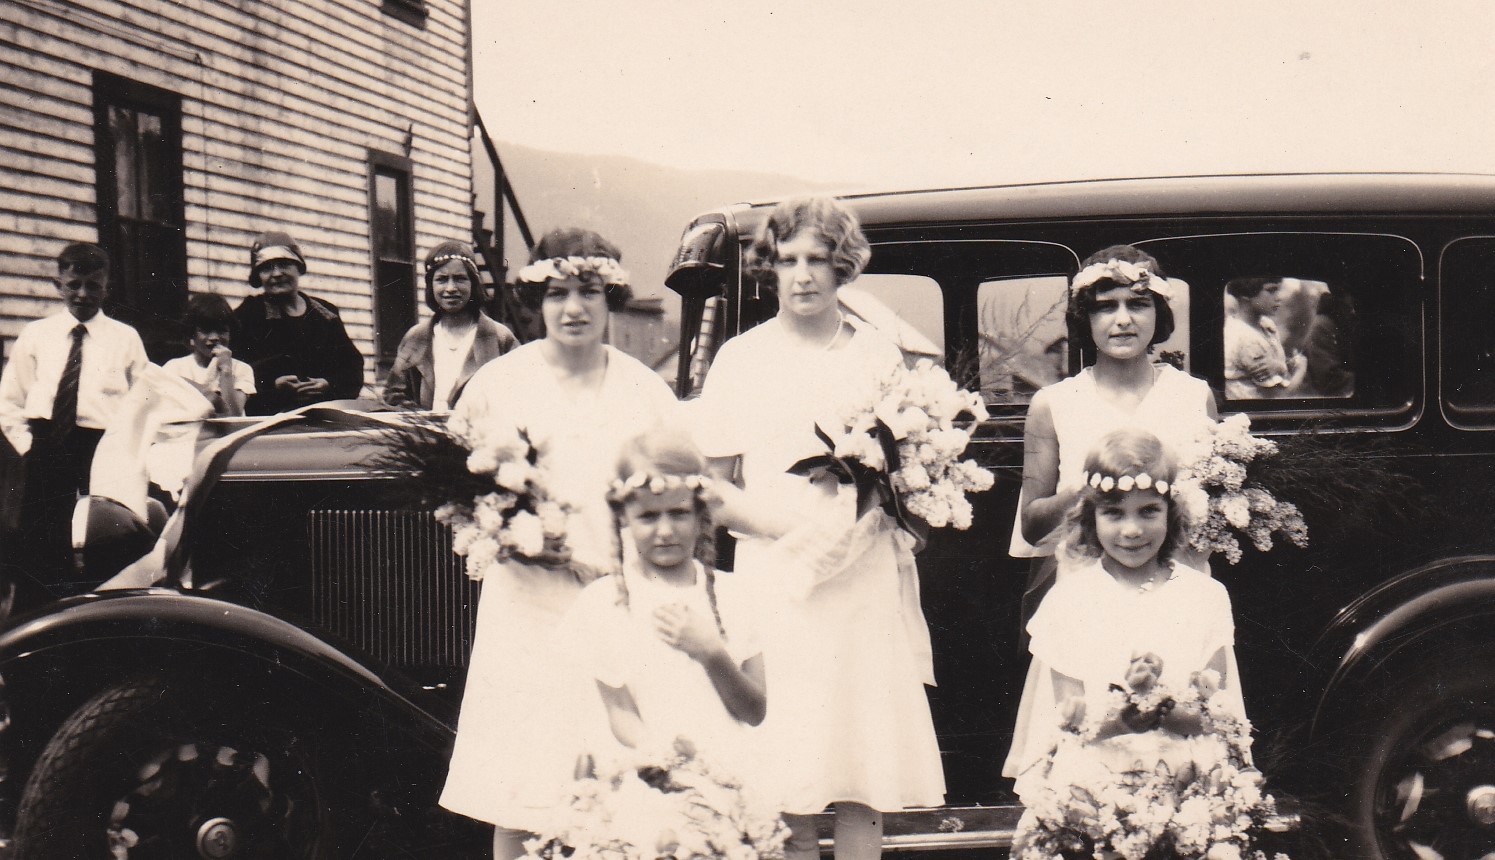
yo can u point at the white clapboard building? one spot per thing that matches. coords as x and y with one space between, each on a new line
172 131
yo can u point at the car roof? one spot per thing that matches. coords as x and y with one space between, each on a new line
1171 196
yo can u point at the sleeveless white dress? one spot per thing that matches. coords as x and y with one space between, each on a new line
525 710
1175 409
846 645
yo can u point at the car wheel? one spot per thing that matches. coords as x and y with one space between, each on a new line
141 772
1424 787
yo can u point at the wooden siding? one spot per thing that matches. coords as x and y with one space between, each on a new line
282 101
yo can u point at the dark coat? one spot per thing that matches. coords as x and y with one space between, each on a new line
313 345
411 379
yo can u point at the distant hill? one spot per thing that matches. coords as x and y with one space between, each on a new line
642 207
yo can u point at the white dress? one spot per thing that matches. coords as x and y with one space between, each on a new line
617 645
1255 360
846 645
1184 620
1176 410
523 713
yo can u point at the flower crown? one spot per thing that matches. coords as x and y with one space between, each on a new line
622 488
438 262
1139 277
1125 483
604 270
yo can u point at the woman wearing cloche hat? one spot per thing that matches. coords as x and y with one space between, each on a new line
295 342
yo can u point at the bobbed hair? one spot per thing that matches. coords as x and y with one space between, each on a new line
1248 288
1128 451
828 219
1082 302
572 242
207 312
445 253
664 452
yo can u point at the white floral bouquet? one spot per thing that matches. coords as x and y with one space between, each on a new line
671 804
1221 500
901 443
1147 792
510 514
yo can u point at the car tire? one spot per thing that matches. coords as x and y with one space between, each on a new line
145 770
1420 767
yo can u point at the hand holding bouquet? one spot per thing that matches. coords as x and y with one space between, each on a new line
900 443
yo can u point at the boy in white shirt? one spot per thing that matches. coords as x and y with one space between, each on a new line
211 367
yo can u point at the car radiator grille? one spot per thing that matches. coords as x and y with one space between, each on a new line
389 583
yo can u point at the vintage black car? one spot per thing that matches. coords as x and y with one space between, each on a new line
291 687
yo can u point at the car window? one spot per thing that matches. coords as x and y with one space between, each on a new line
1326 321
1467 304
909 309
1023 339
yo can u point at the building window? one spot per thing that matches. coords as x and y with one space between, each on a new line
392 240
412 12
141 210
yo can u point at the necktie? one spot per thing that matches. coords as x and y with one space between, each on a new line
65 404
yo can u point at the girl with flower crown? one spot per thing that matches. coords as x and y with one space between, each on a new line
668 640
577 401
1124 587
848 655
1118 309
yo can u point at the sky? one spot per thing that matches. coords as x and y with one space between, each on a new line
878 94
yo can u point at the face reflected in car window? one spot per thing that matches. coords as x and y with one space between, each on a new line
1287 337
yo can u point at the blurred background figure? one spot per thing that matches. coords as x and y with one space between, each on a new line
1331 368
1256 364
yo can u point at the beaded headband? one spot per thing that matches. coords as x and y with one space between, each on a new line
1125 483
622 488
1139 278
438 262
604 270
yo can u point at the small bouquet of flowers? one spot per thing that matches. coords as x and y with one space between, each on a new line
672 804
1127 785
900 443
1221 499
513 516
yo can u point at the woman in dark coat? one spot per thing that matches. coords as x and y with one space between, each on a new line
439 355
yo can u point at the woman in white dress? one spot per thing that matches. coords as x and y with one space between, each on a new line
1118 307
524 716
847 648
1256 364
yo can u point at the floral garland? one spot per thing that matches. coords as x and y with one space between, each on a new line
671 804
602 270
517 519
1219 498
900 444
1143 791
621 489
1140 278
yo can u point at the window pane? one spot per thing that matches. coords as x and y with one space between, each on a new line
907 308
1468 304
385 229
122 131
1024 344
1328 320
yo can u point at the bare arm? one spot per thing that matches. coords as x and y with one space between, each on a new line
741 687
739 511
1045 507
622 715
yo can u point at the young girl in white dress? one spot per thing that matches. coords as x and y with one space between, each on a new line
668 640
1129 600
848 651
1118 309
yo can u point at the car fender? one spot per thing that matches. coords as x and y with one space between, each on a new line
57 652
1402 618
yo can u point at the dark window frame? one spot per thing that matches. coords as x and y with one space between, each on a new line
142 244
394 303
412 12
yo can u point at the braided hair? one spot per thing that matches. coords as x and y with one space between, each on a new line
666 457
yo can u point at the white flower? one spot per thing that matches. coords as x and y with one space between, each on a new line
514 475
1106 483
1125 483
526 534
482 461
1237 510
